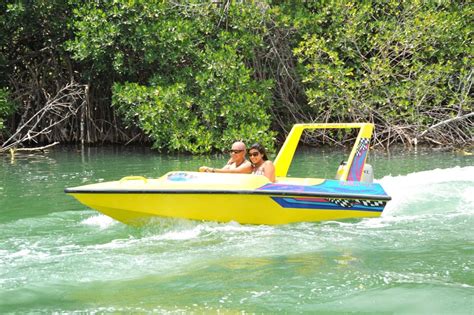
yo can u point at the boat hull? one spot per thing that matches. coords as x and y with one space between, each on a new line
267 204
246 209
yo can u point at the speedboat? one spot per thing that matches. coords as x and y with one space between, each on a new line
247 198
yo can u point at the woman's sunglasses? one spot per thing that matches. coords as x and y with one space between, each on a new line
253 154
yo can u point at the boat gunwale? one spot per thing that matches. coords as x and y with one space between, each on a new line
228 192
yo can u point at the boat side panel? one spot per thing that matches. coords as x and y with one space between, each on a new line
246 209
330 187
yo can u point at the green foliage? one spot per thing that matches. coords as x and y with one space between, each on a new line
390 62
197 75
135 40
187 85
222 105
31 35
7 106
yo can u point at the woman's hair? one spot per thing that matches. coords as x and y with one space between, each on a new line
260 148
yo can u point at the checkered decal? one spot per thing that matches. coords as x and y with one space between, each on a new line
342 202
372 203
363 146
348 203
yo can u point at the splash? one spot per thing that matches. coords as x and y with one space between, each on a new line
100 220
435 191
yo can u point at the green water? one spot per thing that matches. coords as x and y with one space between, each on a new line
56 256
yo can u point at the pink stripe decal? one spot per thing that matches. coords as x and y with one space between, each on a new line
311 199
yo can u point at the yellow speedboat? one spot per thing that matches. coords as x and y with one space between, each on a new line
246 198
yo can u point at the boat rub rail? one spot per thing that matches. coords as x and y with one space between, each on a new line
227 192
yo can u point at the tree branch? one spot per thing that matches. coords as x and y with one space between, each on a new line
447 121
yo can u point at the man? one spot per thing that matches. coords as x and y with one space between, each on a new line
237 162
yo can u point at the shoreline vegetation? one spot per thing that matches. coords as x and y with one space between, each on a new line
195 76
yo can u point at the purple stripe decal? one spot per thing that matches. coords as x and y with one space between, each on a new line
355 173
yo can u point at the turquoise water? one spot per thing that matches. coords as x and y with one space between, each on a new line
58 256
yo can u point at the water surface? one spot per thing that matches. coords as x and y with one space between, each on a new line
56 255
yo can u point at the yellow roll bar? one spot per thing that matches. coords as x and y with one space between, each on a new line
287 151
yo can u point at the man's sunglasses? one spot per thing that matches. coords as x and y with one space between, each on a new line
236 151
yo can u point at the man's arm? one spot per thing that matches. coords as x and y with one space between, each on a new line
244 168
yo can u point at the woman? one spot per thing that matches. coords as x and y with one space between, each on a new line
260 163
